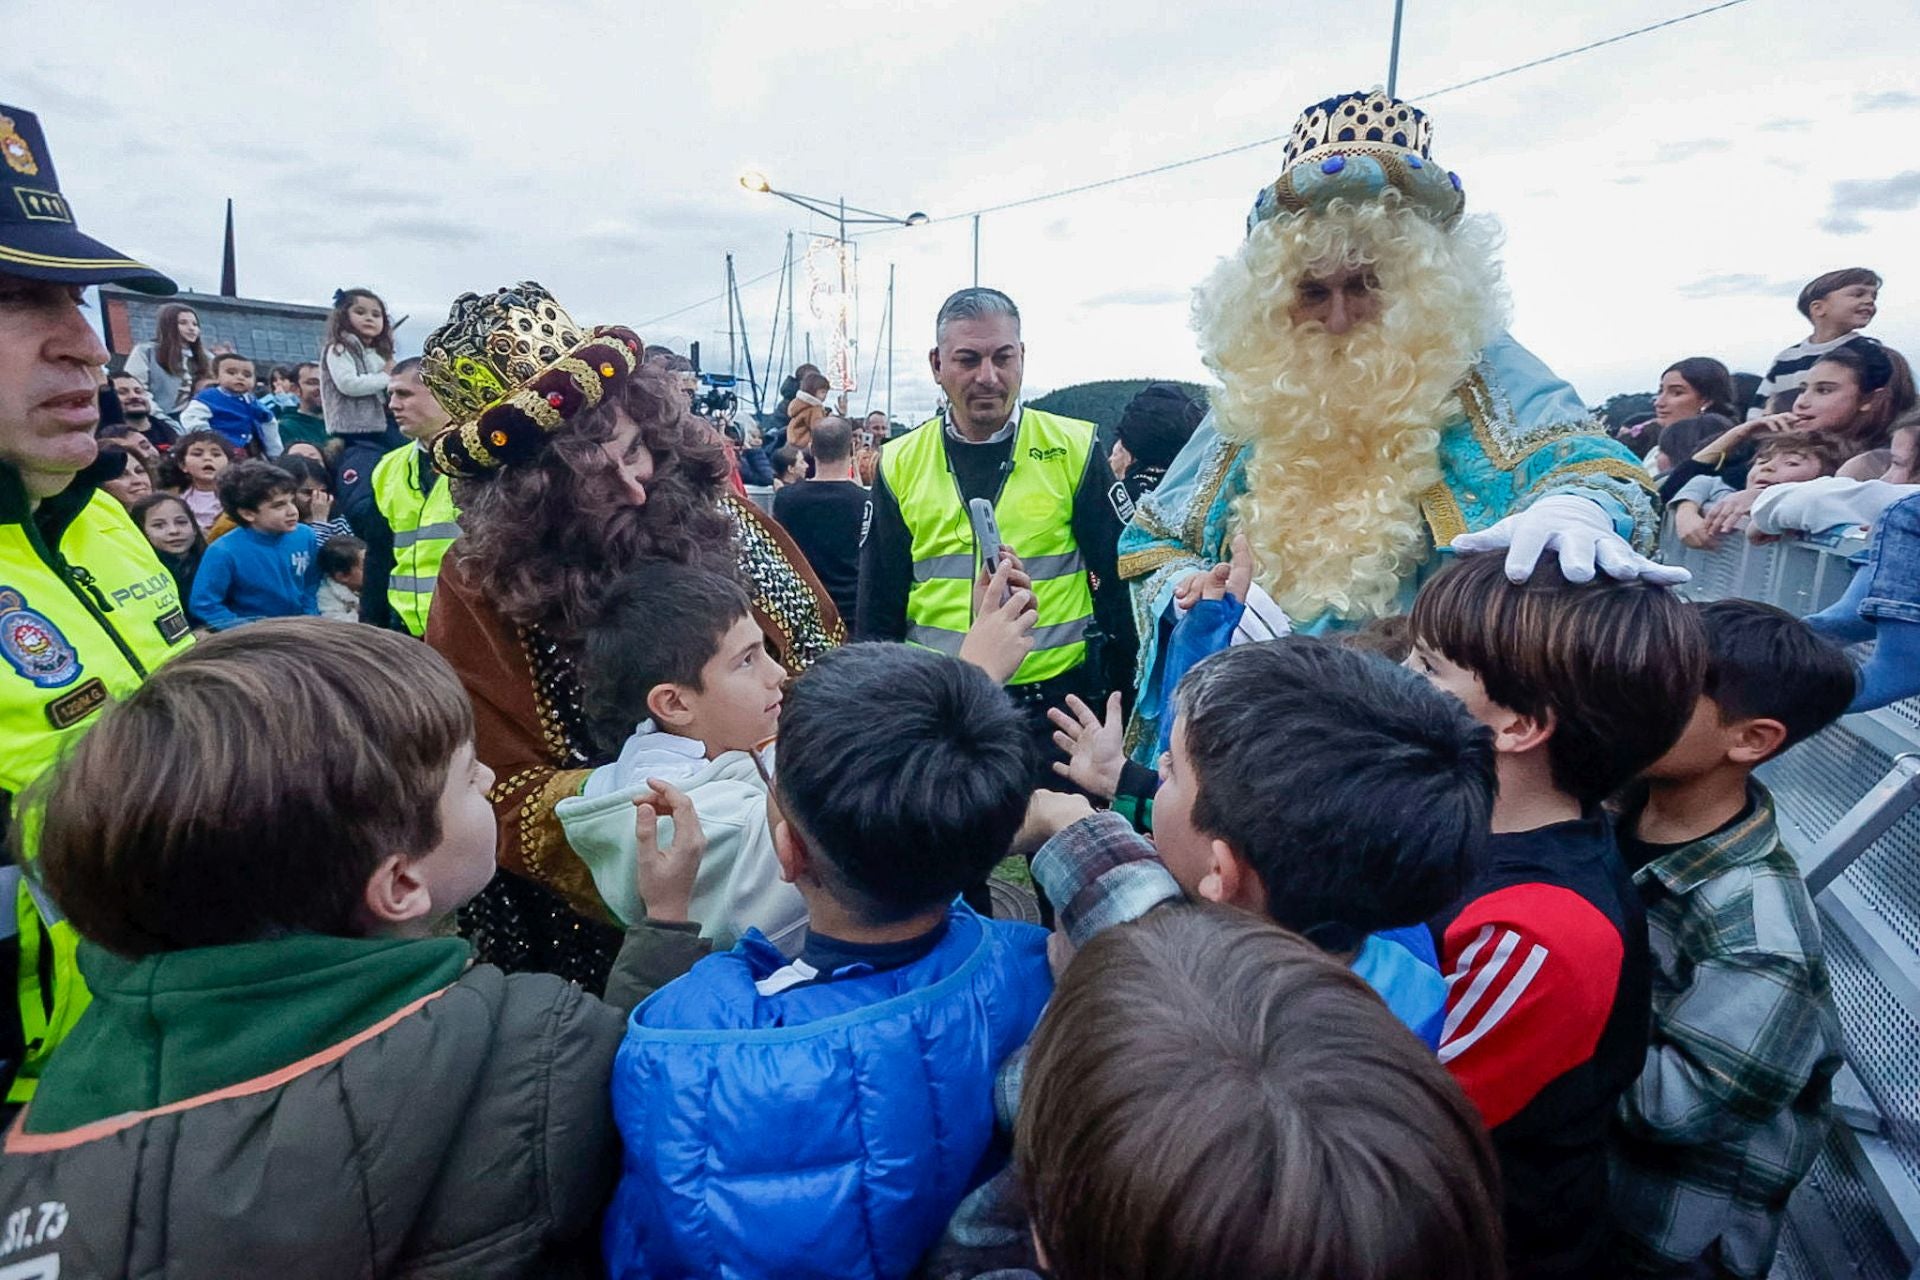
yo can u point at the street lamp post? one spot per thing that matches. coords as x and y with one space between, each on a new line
844 215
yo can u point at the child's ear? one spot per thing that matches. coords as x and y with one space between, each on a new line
1230 880
791 852
667 704
396 895
1756 740
1516 734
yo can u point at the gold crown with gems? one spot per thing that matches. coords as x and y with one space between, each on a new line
1355 147
510 368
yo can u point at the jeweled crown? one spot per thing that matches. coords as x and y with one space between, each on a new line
1360 117
492 344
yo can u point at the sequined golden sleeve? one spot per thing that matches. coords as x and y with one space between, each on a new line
518 734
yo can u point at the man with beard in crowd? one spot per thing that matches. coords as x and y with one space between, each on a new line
1389 415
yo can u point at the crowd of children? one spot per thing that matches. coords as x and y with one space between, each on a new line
1420 968
1464 946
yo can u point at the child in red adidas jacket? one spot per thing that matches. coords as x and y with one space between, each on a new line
1548 975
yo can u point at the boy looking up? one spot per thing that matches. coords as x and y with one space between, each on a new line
1840 304
1732 1106
259 846
266 568
823 1117
1583 686
694 704
229 408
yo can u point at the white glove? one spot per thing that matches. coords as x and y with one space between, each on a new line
1580 531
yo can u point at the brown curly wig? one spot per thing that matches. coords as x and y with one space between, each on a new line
545 539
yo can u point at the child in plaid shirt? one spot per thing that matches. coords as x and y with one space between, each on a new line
1733 1104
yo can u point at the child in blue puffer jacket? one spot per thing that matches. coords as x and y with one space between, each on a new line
822 1117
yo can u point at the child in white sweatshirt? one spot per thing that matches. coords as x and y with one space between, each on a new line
677 666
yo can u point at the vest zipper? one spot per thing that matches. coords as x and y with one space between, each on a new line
77 577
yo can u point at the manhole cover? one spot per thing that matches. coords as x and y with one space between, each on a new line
1011 902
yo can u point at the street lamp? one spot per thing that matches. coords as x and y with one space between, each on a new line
755 181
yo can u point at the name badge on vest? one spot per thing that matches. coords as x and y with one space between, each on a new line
172 625
65 712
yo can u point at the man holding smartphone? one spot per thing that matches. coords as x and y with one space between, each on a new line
1048 490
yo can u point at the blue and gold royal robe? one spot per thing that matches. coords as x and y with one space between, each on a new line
1520 434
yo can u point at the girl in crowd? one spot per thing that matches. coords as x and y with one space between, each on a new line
355 364
1697 388
174 361
1853 394
193 470
552 514
176 538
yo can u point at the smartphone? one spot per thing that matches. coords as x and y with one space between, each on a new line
986 535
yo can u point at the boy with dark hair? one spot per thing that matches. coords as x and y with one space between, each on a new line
229 408
1583 685
1840 304
1354 841
266 568
258 847
1732 1106
675 676
822 1117
1150 1148
827 513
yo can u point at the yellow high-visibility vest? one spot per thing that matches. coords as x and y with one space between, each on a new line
1035 512
424 525
81 622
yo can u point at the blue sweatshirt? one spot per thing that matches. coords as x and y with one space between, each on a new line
238 418
248 575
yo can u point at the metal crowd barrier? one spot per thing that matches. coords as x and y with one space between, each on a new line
1849 808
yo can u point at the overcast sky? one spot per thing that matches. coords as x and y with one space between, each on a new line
1663 197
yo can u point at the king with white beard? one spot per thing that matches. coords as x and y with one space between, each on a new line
1372 413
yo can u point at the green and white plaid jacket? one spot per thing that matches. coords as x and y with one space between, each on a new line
1734 1103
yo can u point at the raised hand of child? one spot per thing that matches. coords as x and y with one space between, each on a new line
1094 750
320 506
1002 634
665 876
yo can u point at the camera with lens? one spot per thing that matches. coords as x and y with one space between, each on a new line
713 394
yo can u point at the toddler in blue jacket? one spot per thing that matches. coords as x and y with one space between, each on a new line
823 1116
229 408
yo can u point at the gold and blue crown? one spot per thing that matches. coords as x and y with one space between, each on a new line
1355 147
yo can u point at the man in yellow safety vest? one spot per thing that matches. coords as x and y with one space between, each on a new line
1053 500
86 609
406 514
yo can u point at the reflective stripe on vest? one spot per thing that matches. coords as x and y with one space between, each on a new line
1035 513
68 650
424 526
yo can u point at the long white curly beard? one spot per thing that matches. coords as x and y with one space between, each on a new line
1344 429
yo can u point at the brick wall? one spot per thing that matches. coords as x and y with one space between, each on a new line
268 333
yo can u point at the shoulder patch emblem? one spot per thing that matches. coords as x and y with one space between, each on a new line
33 646
1122 503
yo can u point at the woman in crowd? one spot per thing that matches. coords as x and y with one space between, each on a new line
572 465
175 359
1697 390
1853 394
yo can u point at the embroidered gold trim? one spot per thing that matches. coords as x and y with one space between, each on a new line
1135 563
1444 517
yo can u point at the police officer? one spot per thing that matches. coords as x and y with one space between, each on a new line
86 610
406 515
1053 502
